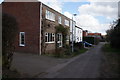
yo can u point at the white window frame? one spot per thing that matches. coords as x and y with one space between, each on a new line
59 19
50 15
60 43
67 22
21 39
49 37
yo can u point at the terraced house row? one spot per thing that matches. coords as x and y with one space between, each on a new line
37 26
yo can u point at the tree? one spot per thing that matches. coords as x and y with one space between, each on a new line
60 29
113 34
9 30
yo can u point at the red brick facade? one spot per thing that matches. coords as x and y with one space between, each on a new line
27 15
85 33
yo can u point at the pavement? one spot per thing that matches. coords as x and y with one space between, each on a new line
30 65
87 65
82 66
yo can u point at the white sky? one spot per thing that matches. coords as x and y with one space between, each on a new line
89 14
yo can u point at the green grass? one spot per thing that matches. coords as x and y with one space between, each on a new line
107 48
112 56
70 55
80 51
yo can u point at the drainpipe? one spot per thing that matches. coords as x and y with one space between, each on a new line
40 28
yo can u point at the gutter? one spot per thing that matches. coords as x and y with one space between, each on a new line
40 51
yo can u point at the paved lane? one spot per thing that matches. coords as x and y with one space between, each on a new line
86 66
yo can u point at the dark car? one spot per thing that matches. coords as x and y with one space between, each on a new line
87 44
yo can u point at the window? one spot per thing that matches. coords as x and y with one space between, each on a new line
22 39
66 22
49 37
67 38
59 39
59 20
50 15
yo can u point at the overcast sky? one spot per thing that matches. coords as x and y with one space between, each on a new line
92 15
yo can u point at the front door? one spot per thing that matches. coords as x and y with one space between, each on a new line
59 39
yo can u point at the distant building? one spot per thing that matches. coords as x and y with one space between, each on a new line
85 33
97 35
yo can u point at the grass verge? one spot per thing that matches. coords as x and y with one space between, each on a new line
68 54
111 63
107 48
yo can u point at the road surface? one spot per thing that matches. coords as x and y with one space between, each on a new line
87 65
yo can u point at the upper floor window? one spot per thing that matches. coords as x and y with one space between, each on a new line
66 22
59 20
50 15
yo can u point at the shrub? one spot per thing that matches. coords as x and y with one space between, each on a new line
113 34
9 30
79 45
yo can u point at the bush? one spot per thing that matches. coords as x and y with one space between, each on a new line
91 40
79 45
9 30
113 35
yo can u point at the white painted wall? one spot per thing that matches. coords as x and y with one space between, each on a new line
74 23
78 34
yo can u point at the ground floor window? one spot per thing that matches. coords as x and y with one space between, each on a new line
49 37
22 39
59 39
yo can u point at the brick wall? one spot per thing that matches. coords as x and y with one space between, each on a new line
27 15
50 48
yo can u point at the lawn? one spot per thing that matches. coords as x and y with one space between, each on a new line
107 48
68 53
111 63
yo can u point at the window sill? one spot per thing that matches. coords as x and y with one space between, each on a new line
60 46
49 42
50 20
21 45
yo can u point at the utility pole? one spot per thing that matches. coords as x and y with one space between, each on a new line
72 33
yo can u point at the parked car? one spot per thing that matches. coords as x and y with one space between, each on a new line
86 44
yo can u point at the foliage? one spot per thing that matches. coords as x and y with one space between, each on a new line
43 30
111 63
64 31
9 30
66 52
108 48
113 34
79 45
91 40
61 29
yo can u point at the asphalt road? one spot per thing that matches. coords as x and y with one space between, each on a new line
86 66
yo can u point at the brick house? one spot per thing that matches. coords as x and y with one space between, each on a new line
97 35
85 33
36 23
